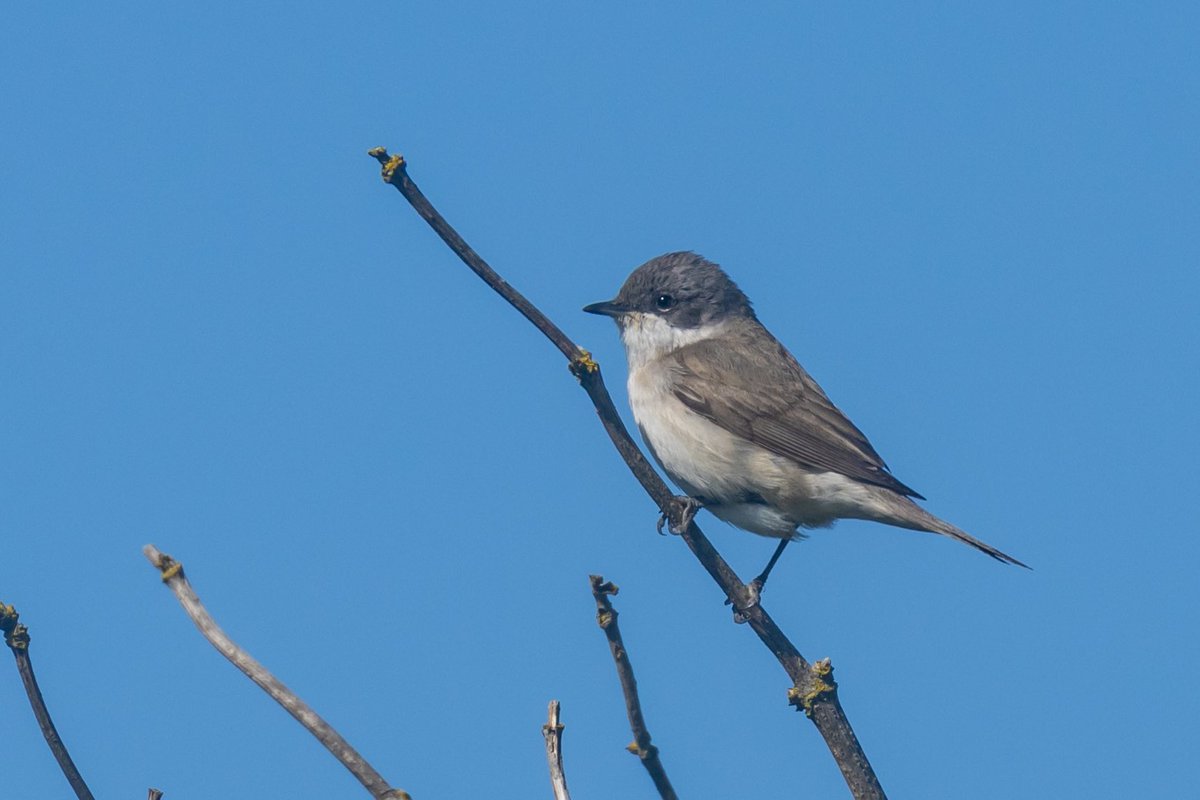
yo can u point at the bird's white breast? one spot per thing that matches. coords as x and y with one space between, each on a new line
707 461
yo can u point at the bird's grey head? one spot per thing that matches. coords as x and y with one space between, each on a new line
671 302
684 290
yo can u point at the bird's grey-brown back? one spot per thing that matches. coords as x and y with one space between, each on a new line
735 420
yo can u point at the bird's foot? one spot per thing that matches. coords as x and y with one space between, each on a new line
679 514
741 609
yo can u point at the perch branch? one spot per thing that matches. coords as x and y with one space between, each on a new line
16 636
552 733
173 577
813 688
641 747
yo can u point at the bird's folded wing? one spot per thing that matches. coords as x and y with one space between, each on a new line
768 398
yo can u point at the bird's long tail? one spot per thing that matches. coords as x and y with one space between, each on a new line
912 516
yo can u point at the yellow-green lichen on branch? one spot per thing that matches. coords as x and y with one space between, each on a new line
16 635
637 750
391 164
820 683
394 164
583 364
171 569
8 616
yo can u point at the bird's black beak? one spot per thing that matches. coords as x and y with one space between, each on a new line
609 308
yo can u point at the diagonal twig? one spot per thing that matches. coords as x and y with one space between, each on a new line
173 577
641 747
16 636
552 733
813 688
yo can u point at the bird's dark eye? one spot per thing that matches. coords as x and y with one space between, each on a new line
664 301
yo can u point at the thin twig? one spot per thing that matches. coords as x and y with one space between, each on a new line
813 688
16 636
552 733
173 577
641 747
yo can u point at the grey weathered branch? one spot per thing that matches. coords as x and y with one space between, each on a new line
552 733
172 575
642 747
16 636
813 688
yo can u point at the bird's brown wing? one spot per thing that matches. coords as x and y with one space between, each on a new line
758 391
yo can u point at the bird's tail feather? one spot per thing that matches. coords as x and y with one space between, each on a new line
947 529
914 517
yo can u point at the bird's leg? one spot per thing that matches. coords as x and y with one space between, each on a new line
680 514
755 587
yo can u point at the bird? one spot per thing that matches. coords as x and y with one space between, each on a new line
735 421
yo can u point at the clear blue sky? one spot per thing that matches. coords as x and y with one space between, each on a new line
219 332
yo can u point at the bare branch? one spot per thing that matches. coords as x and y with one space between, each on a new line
173 577
552 733
641 747
16 636
813 689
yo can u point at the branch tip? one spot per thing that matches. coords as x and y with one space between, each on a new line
552 723
9 617
603 587
391 164
168 567
16 635
552 733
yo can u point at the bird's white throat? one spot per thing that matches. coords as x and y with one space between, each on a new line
648 337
